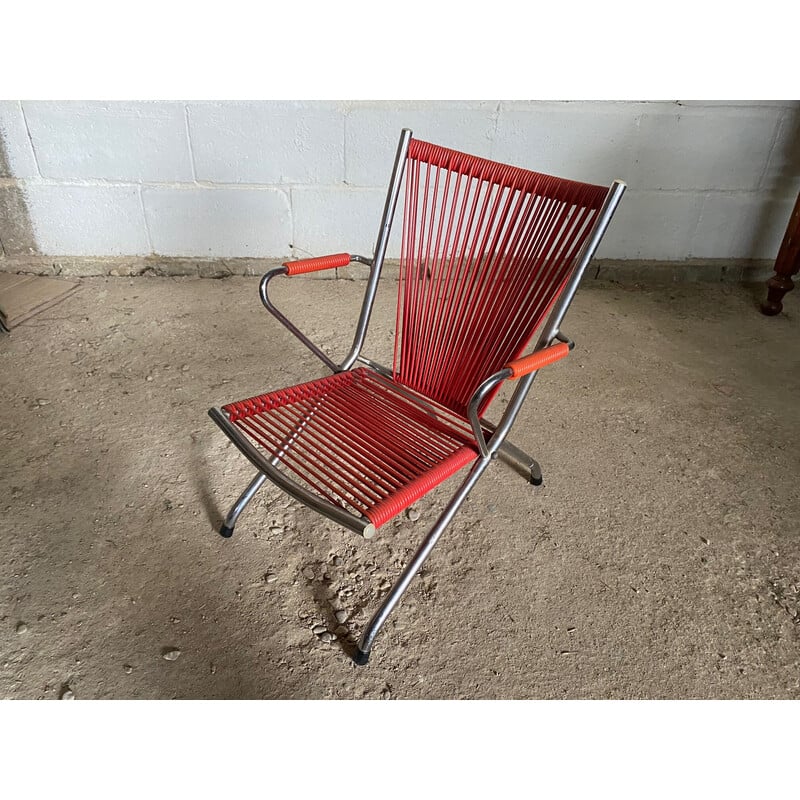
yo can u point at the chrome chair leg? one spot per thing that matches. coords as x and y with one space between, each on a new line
364 646
246 496
517 459
520 462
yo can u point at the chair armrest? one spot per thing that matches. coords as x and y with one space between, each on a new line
541 358
304 265
298 268
513 370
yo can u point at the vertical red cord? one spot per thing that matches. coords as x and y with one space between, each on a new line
486 250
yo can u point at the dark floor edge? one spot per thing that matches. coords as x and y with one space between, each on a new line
746 271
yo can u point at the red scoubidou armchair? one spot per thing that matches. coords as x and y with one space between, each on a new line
491 254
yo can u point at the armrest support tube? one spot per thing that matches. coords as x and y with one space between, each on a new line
475 403
263 293
306 265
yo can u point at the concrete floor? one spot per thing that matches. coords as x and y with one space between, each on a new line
661 558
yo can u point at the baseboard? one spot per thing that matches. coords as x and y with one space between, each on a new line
720 270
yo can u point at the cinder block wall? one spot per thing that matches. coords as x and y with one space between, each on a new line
281 179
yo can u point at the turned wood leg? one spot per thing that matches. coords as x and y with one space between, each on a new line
786 264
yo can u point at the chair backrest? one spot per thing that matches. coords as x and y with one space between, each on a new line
486 250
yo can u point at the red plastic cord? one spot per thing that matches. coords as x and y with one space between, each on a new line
357 441
391 506
486 250
315 264
538 360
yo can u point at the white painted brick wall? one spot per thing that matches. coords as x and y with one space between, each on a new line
740 223
275 143
592 142
110 141
226 222
15 142
270 179
87 220
373 130
652 225
703 149
337 220
783 169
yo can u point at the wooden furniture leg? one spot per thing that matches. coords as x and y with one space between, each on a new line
786 264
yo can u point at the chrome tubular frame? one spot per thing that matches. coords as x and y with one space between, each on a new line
551 331
475 402
488 386
379 368
375 264
290 326
490 450
511 455
249 493
266 466
263 292
401 584
380 248
236 509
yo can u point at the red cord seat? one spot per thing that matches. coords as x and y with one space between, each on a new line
358 440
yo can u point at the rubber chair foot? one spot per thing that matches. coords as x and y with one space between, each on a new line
535 474
226 531
360 657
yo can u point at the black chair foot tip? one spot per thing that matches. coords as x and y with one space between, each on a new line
360 657
226 531
535 481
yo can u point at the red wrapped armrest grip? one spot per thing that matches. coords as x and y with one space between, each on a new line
543 358
316 264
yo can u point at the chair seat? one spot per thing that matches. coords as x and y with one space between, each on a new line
359 440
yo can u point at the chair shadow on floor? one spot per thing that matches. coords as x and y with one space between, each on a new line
201 473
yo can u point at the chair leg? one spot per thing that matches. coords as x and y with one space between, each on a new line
787 263
364 646
520 462
246 496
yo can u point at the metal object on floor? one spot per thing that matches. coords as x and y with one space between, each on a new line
491 254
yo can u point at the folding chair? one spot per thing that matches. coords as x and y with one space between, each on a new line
490 253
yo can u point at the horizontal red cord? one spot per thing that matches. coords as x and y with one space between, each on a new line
357 440
391 506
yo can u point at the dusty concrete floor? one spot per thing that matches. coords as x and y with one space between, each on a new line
661 559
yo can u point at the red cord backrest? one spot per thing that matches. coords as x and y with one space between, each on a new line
486 250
